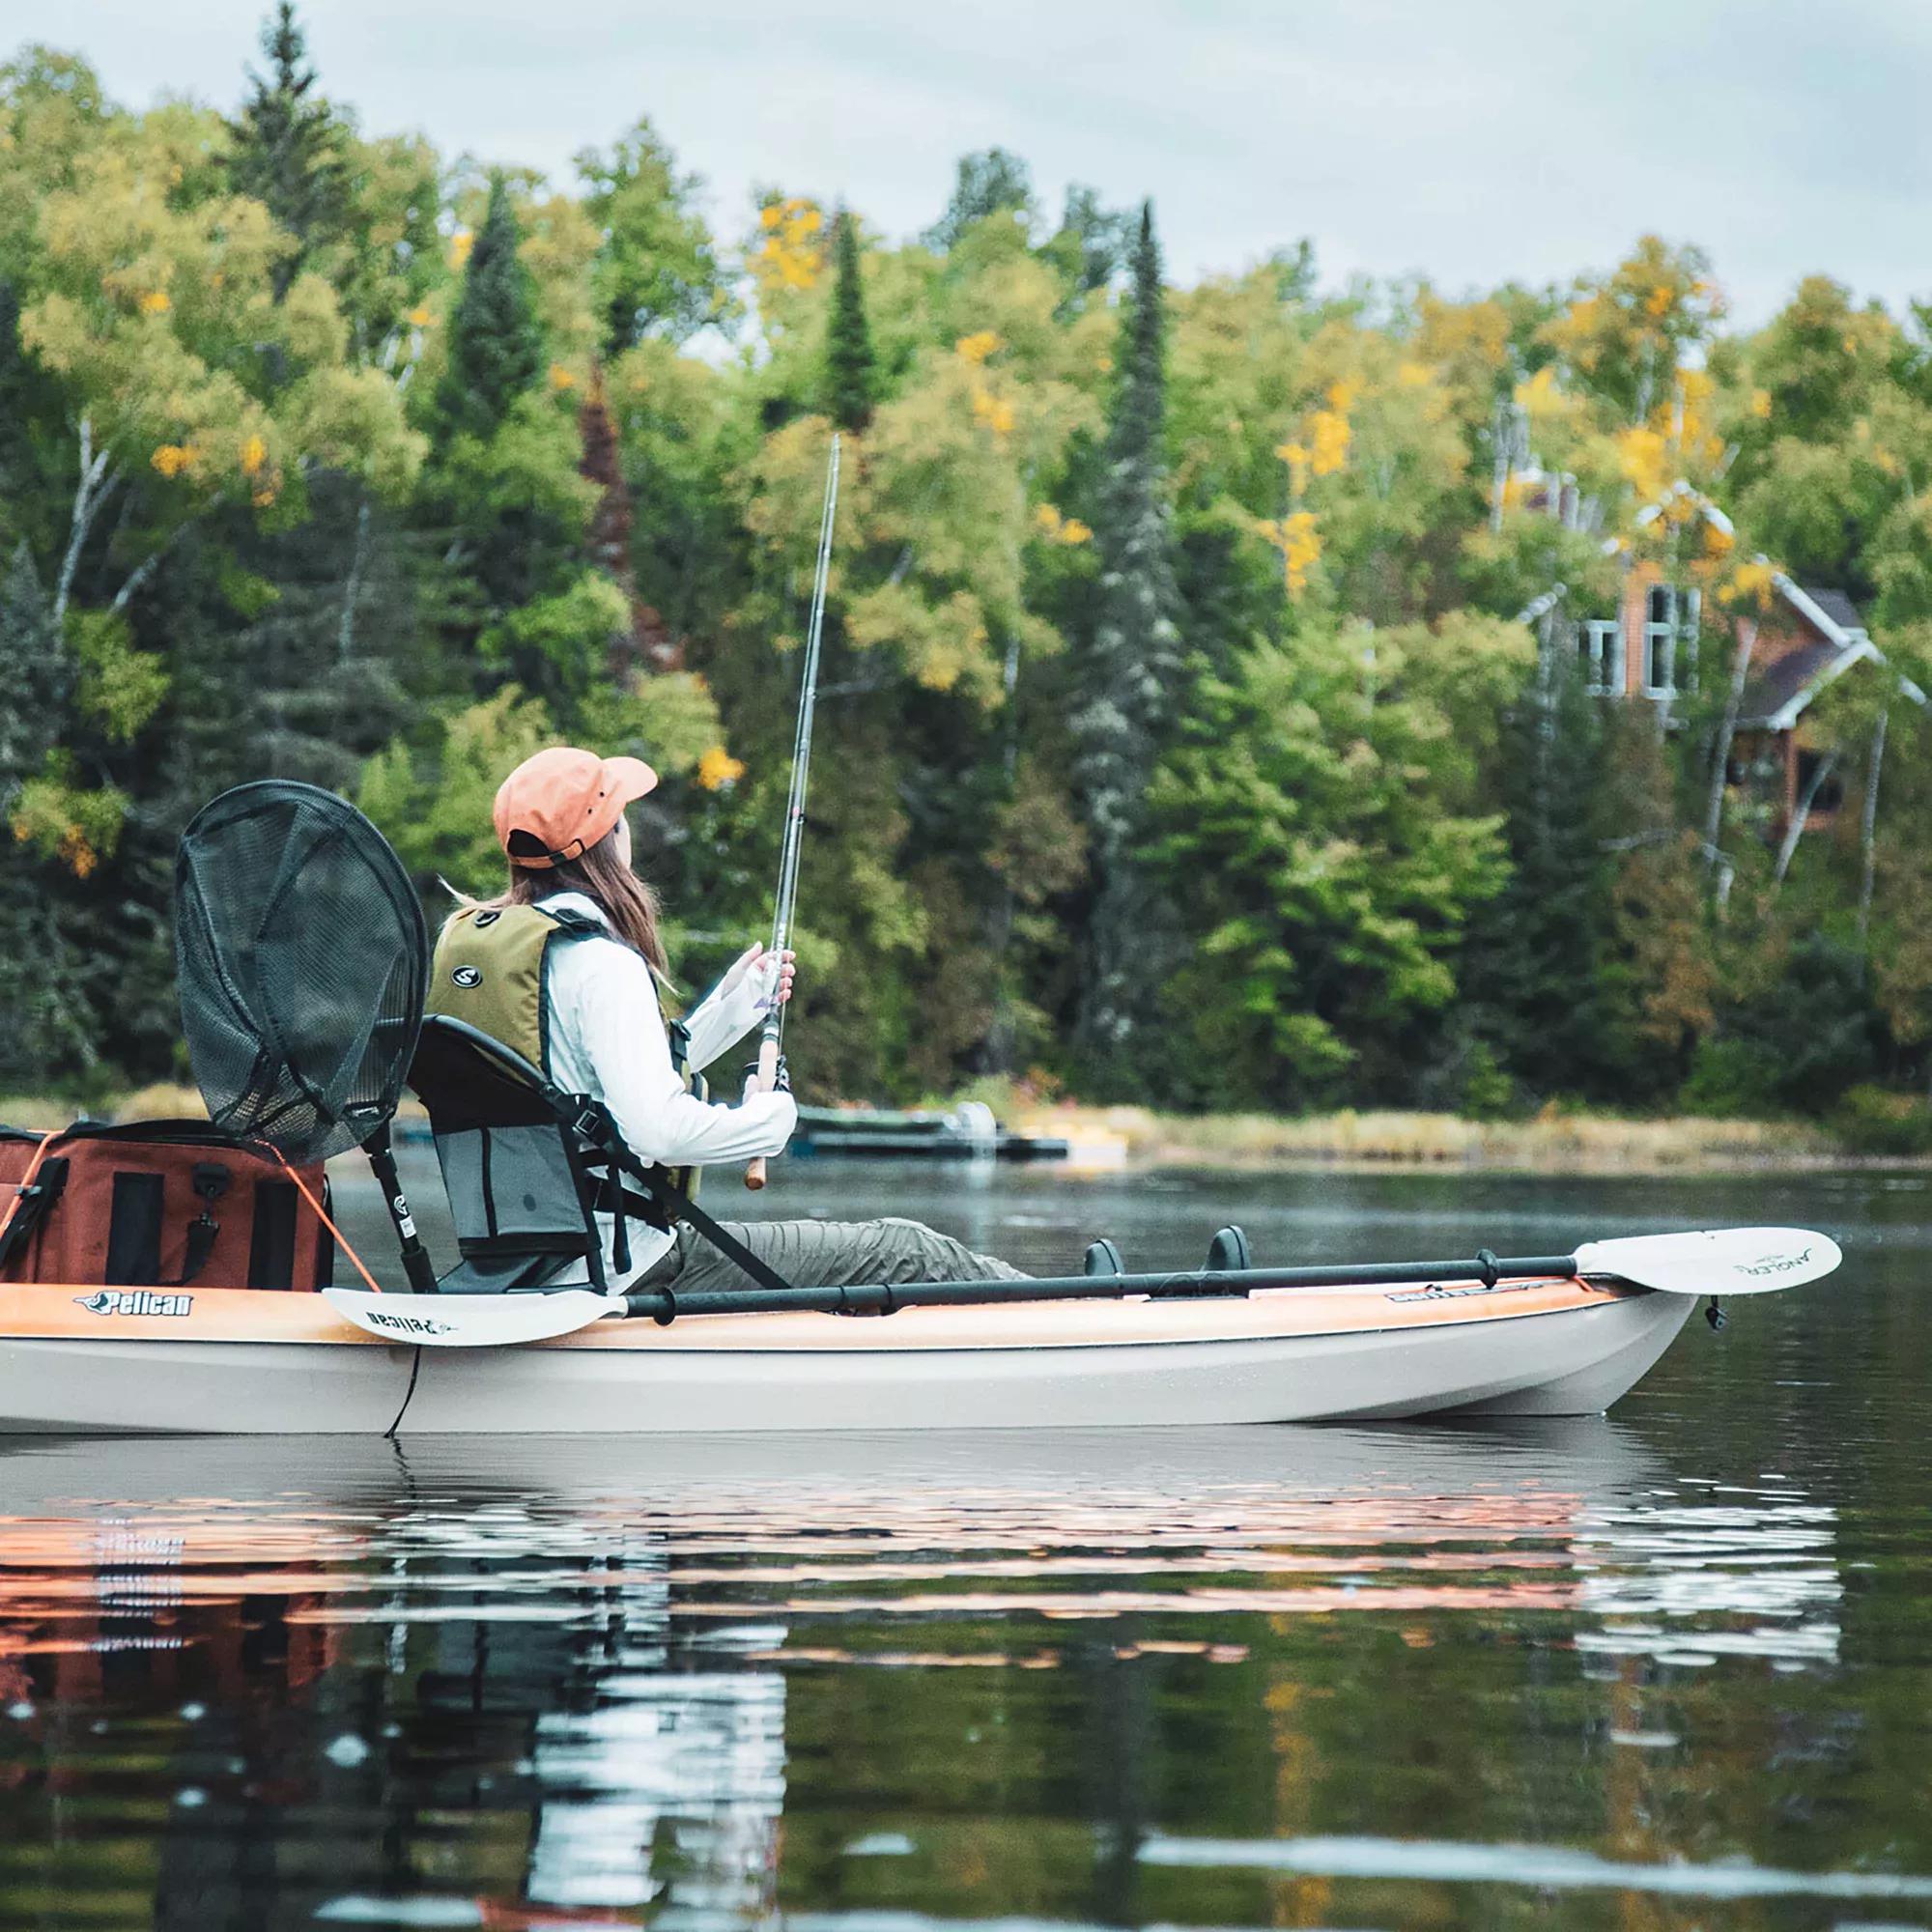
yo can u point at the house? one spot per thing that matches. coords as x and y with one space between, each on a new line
1648 650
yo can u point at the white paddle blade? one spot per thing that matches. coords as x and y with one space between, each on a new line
470 1320
1719 1261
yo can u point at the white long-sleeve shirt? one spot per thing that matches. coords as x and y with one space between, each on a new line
607 1043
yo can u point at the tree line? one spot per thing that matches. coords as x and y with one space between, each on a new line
1185 734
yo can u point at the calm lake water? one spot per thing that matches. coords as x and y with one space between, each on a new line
1668 1669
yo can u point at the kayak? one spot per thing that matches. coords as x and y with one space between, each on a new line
85 1360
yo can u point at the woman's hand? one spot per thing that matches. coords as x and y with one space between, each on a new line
766 977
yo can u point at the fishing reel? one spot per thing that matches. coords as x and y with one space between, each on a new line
1715 1315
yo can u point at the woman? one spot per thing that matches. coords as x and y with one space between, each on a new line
580 994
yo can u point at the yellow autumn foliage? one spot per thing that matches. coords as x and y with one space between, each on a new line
718 768
155 302
993 412
1328 436
790 258
1057 529
1754 584
254 453
1298 540
977 347
1643 455
1296 456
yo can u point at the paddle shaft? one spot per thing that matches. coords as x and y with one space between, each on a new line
665 1304
771 1042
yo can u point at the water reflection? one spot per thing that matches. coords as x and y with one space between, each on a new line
249 1685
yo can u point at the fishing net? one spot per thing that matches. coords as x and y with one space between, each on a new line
303 962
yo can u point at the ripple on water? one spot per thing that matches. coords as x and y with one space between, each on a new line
606 1680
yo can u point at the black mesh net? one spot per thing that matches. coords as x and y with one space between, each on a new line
302 958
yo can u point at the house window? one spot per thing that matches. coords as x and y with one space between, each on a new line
1600 646
1829 796
1669 617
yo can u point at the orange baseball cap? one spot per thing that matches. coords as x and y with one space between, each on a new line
560 803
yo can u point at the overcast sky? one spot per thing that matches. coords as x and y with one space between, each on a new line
1470 140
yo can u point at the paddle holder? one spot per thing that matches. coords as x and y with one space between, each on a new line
416 1262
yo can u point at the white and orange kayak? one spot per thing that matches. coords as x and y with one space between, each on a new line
86 1361
1535 1337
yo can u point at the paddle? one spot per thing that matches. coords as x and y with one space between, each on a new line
1725 1260
771 1040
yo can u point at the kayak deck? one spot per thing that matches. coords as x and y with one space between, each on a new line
157 1361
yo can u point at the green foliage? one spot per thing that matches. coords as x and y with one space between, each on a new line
1876 1120
495 344
431 793
848 343
657 273
37 672
1130 679
121 687
287 151
992 182
1178 737
1322 834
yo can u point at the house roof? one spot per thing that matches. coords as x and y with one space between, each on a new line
1837 607
1775 700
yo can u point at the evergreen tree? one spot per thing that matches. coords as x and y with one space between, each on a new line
1538 980
288 146
37 672
990 181
1129 683
848 348
51 1025
1092 240
496 343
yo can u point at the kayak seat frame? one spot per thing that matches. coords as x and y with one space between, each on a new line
529 1169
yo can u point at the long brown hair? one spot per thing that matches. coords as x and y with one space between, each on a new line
627 901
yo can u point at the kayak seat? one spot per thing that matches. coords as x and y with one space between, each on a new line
527 1168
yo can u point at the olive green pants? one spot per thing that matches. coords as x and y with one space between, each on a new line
826 1254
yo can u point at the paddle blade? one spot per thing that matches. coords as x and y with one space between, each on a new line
471 1321
1718 1261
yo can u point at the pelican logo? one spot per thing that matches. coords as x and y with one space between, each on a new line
133 1301
1775 1264
467 977
408 1324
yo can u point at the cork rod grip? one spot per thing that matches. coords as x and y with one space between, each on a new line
761 1082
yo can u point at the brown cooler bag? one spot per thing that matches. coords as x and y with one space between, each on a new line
161 1203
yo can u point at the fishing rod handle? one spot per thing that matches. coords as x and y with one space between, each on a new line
762 1082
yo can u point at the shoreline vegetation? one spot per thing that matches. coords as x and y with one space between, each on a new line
1259 691
1552 1142
1549 1143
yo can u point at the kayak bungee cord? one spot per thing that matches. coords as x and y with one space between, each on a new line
771 1041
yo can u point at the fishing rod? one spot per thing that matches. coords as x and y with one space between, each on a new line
771 1040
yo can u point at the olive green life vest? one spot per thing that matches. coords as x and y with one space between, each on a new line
491 969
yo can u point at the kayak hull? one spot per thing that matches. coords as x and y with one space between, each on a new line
225 1361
